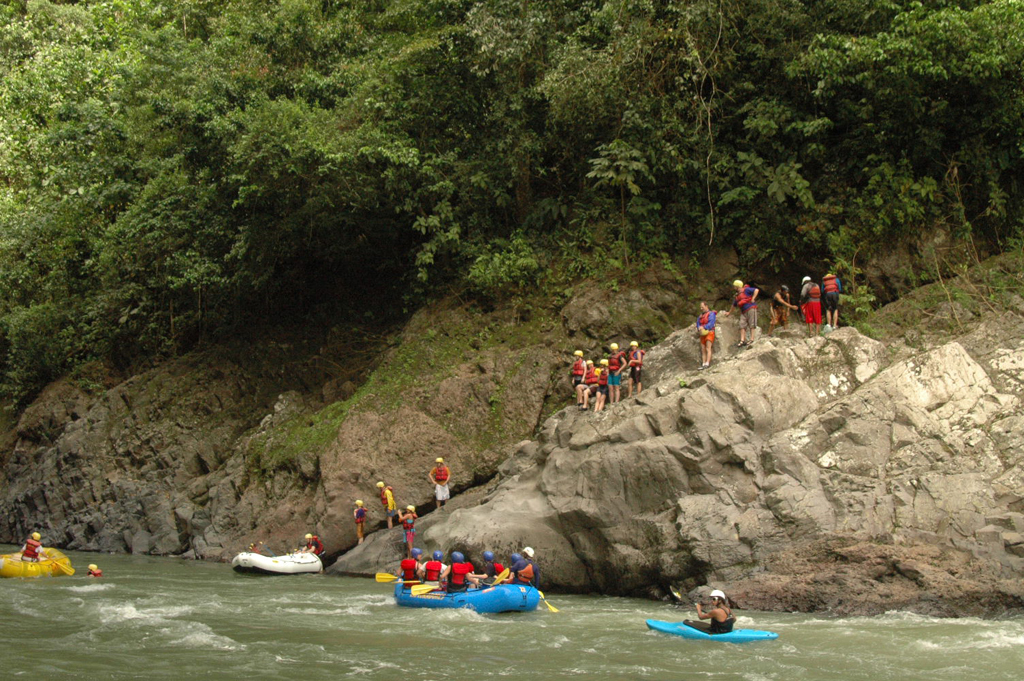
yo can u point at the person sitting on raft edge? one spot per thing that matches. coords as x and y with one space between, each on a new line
720 615
525 570
409 569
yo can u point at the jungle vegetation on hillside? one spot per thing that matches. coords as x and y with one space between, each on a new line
172 169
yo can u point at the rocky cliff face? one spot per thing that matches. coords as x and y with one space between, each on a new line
836 444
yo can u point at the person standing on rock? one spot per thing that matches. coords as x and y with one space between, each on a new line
706 329
746 301
636 367
576 373
832 287
387 498
720 615
616 363
602 386
408 519
439 476
781 305
359 515
810 303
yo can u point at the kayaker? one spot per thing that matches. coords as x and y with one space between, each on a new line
461 574
313 545
32 549
94 571
408 519
434 570
491 569
387 498
439 476
720 615
409 567
359 514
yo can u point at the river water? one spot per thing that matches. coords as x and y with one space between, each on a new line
164 618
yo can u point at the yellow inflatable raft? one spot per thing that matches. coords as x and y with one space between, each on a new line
56 564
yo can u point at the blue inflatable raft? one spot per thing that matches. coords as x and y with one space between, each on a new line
734 636
503 598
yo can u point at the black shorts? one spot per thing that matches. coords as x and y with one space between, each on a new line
831 301
636 374
576 380
602 390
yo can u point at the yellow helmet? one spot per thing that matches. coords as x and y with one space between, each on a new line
634 344
737 283
578 353
438 460
615 346
597 372
309 536
359 502
380 484
37 536
410 508
92 566
604 362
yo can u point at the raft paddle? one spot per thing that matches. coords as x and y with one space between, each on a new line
388 578
550 607
421 589
501 577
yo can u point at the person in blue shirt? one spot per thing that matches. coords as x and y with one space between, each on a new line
706 328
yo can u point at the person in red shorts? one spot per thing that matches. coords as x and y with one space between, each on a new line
810 304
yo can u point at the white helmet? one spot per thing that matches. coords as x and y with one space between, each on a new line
718 594
528 552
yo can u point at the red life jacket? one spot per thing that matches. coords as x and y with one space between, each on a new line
831 286
360 515
814 293
96 573
433 568
591 378
316 545
579 367
408 569
459 572
498 568
704 319
616 360
31 551
441 474
408 523
638 356
603 379
384 494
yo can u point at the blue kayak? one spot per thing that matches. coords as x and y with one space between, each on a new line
734 636
502 598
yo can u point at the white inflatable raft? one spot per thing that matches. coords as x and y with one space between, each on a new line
288 564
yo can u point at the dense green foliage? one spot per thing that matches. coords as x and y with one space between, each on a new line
171 169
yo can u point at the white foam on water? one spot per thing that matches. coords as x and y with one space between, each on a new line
557 642
90 588
200 636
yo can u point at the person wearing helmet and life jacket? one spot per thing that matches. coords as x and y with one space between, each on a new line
706 331
832 287
313 545
616 363
460 574
781 305
525 570
635 360
434 570
720 614
577 372
408 519
491 568
746 302
810 303
32 551
409 568
602 386
439 476
387 499
359 515
583 389
94 571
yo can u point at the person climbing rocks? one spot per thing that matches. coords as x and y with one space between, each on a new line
602 386
706 329
577 372
832 287
616 363
491 568
781 304
589 385
408 568
746 301
408 519
359 515
434 570
94 571
635 360
313 545
387 499
439 476
721 617
810 303
460 574
32 551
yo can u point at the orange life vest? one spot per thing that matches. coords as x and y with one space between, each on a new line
814 293
96 573
525 576
31 551
831 285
